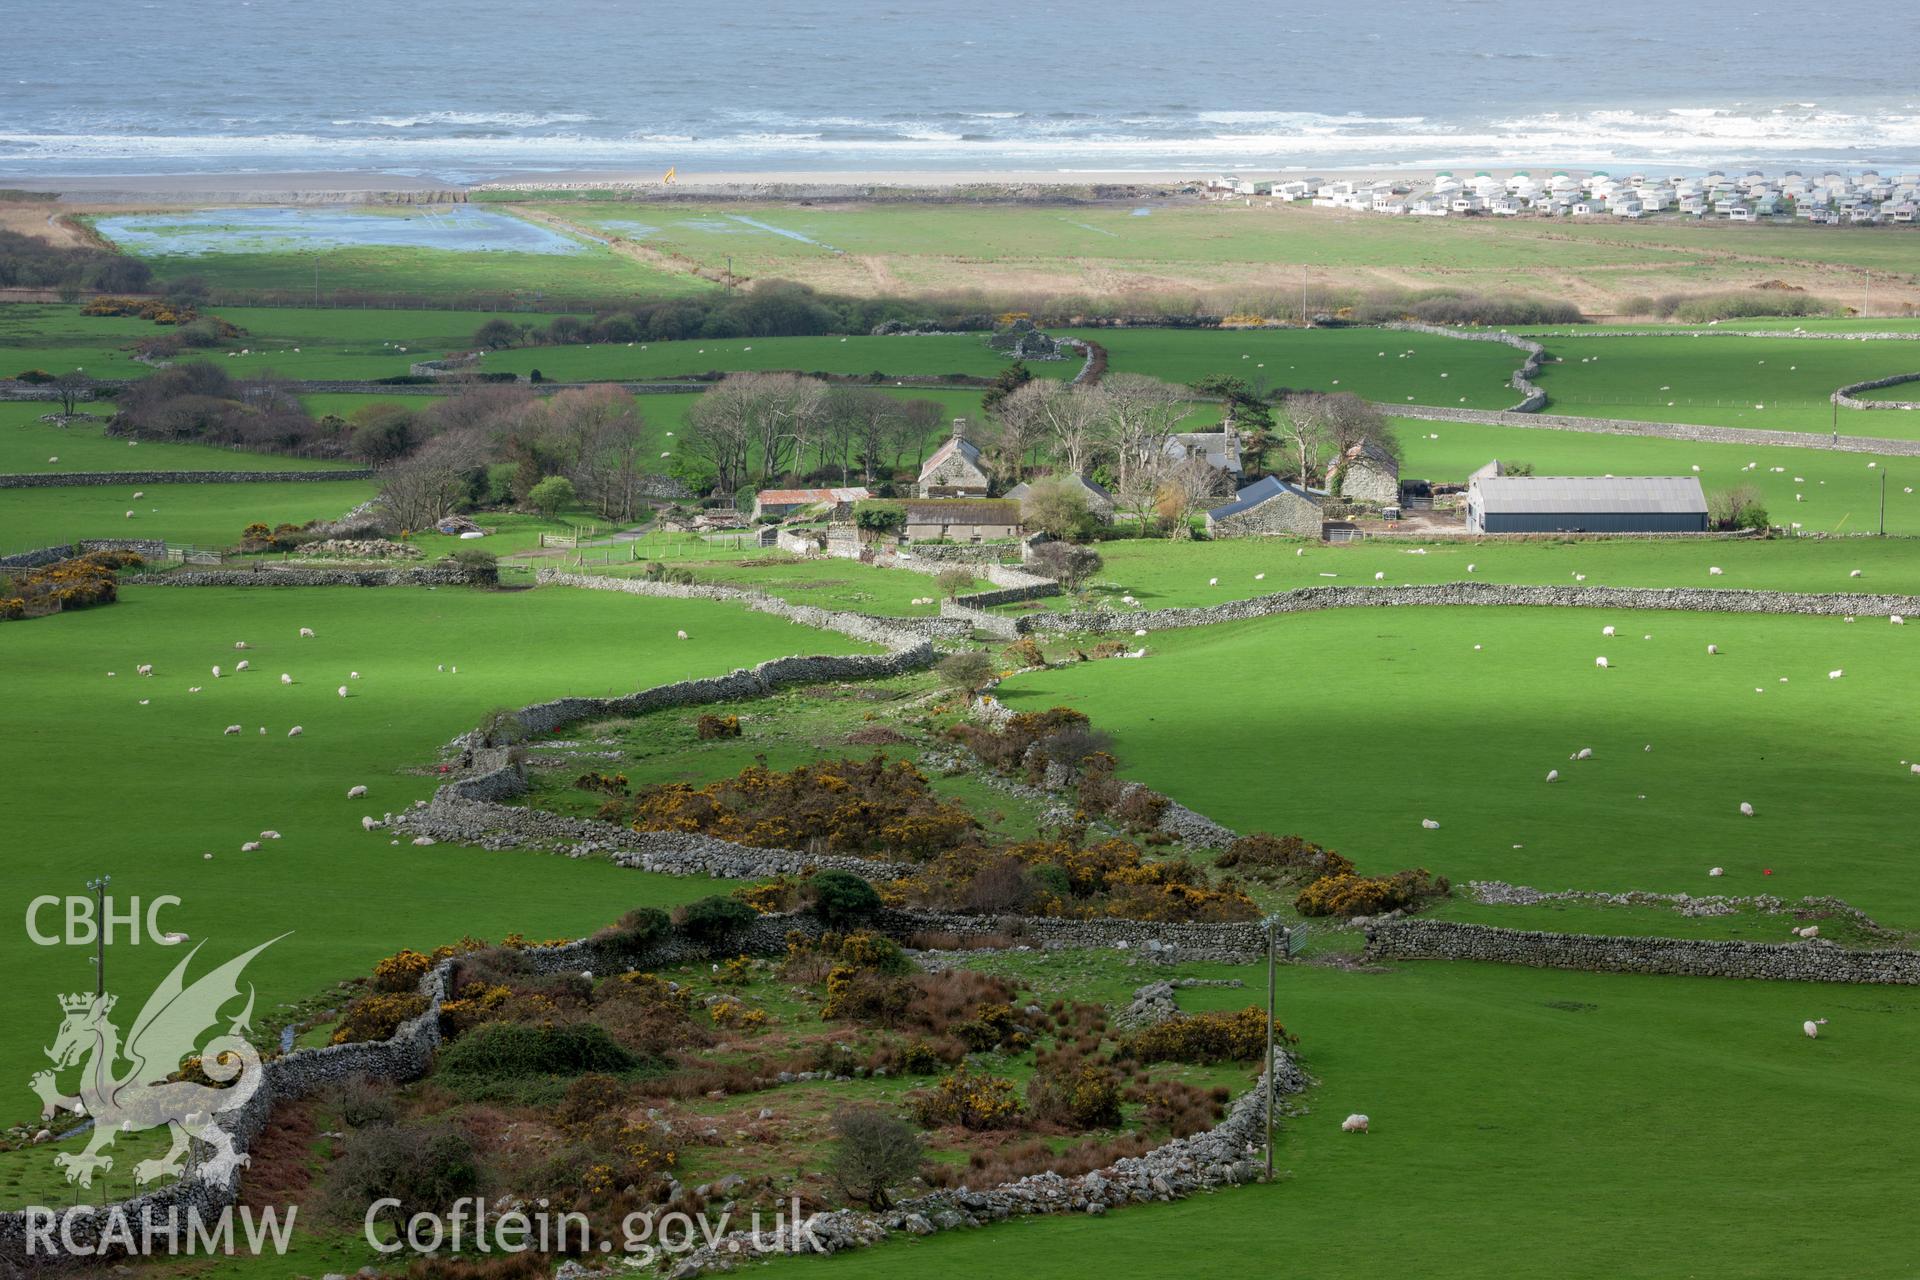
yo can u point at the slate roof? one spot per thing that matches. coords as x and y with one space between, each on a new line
956 444
1258 492
1574 495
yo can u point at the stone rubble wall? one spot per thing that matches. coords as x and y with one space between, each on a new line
1814 960
1533 399
37 557
1844 397
1312 599
405 1056
437 575
1667 430
71 479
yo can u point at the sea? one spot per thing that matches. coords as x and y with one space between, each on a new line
466 90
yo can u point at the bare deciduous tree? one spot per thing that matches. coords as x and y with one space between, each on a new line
603 438
1138 415
1063 417
1187 486
430 485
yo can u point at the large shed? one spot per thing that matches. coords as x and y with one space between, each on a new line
1586 504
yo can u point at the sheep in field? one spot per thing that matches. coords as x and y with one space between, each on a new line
231 730
1354 1124
1553 775
144 669
681 634
1812 1028
342 691
251 846
1606 631
1718 871
216 673
1715 571
1746 808
1429 824
1584 753
239 644
423 840
269 835
1836 673
306 633
285 678
1713 648
193 688
242 665
295 732
368 823
353 675
354 793
1601 663
1811 931
1897 620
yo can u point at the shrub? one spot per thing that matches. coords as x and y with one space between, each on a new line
1069 565
992 1027
1354 895
361 1102
713 920
966 672
1737 508
1082 1095
400 972
613 784
636 933
969 1099
866 995
377 1017
711 727
1266 857
425 1168
519 1051
873 1153
953 581
1206 1038
840 897
1024 652
502 727
552 496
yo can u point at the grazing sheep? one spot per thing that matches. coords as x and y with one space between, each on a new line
110 675
1354 1124
681 634
306 633
1138 653
242 665
144 669
269 835
439 666
1715 571
1746 808
1579 577
423 840
1854 574
368 823
354 793
1584 753
353 675
1713 648
193 688
342 691
1811 931
216 673
174 939
295 732
251 846
1213 582
452 671
1812 1028
1379 577
1606 631
1600 662
129 515
1259 577
1897 620
1718 871
285 678
1553 775
1470 568
239 644
230 730
1429 824
1848 618
138 494
145 701
1836 673
1139 631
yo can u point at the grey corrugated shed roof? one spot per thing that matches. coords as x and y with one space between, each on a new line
1258 492
1579 494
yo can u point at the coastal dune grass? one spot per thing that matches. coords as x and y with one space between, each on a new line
1351 726
103 785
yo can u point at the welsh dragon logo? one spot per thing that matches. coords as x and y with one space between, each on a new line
142 1095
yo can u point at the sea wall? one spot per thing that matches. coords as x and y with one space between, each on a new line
1311 599
1810 961
70 479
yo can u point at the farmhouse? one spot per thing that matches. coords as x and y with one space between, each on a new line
782 502
1365 473
1099 501
1221 449
961 519
956 469
1586 504
1267 506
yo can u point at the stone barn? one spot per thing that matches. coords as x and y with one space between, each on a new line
956 469
1267 507
961 519
1366 473
1586 504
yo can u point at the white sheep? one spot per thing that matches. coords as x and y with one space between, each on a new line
1713 648
1897 620
368 822
174 939
342 691
1715 571
251 846
681 634
138 494
1746 808
439 666
1812 1027
1854 574
1606 631
1259 577
193 688
216 673
285 678
145 701
353 675
1579 577
1811 931
306 633
269 835
1139 631
1600 662
230 730
1429 824
1379 577
423 840
242 665
1138 653
239 644
1584 753
1718 871
1553 775
129 515
295 732
1354 1124
452 671
1836 673
1213 582
144 669
354 793
1470 568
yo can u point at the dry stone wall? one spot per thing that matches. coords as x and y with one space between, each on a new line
1845 397
436 575
71 479
1533 399
1810 961
1311 599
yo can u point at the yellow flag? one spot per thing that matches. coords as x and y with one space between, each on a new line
670 173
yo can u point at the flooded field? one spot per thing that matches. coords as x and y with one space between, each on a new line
453 228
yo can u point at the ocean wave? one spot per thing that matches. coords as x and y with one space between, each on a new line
503 119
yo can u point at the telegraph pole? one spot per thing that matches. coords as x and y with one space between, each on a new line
98 887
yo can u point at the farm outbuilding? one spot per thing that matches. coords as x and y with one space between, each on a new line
1586 504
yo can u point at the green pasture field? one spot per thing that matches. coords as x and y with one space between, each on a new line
1163 574
1884 250
26 444
198 514
1350 727
914 355
1475 373
1775 383
1520 1114
1840 494
56 338
73 739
